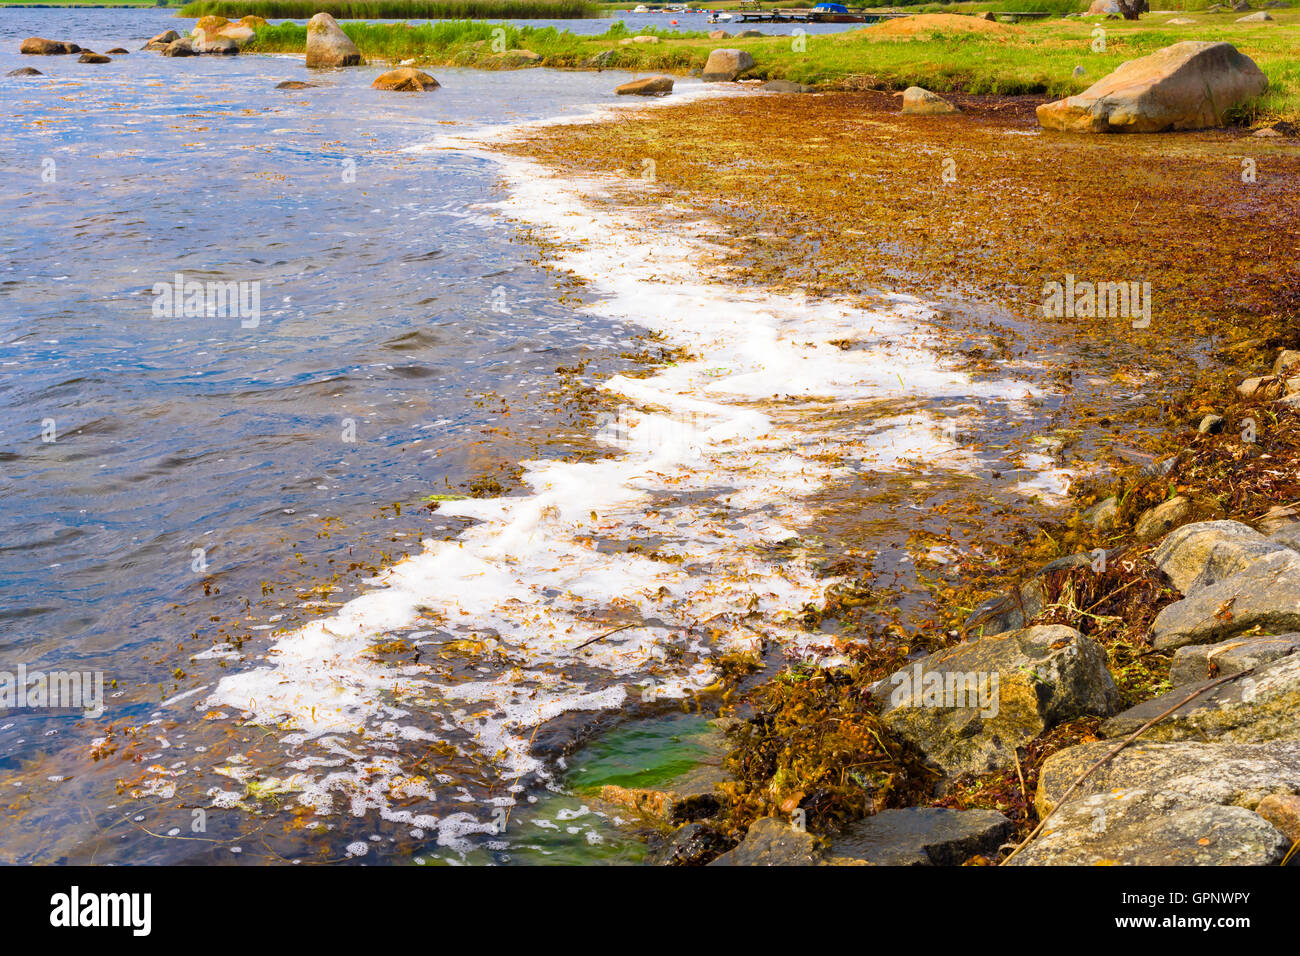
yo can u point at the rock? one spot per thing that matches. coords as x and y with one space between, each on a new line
25 71
921 102
718 35
1260 386
724 66
693 845
1197 663
1283 811
698 803
219 46
1203 553
1159 520
1190 85
1180 22
182 47
162 39
749 34
328 45
650 86
1260 17
516 59
1266 595
1286 360
1258 707
1267 132
628 41
1009 612
772 842
118 51
1167 804
1241 6
786 86
922 836
1098 7
1078 71
91 57
1210 425
1104 515
1288 536
601 60
38 46
1278 518
404 80
967 708
295 85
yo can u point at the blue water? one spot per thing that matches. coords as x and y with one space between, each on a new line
197 461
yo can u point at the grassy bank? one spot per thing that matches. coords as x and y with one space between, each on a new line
397 9
946 54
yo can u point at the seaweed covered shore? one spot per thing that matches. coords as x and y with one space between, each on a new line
1092 612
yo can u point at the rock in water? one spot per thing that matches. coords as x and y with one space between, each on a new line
181 47
918 101
787 86
295 85
724 66
772 842
25 71
38 46
118 51
405 80
650 86
328 45
967 708
92 57
1189 85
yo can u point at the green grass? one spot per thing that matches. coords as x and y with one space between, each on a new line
1033 57
397 9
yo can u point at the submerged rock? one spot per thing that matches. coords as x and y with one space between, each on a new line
25 71
723 66
118 51
92 57
39 46
922 836
772 842
1167 804
405 80
295 85
650 86
967 708
328 45
1190 85
918 101
1258 707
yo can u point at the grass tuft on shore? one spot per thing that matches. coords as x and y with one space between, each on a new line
397 9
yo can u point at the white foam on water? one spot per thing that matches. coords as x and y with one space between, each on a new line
710 464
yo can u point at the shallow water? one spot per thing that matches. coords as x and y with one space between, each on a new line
219 487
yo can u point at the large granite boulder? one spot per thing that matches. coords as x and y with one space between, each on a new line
723 66
1163 804
1260 706
328 45
1190 85
1266 596
1201 554
968 708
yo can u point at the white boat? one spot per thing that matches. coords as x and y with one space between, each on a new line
640 8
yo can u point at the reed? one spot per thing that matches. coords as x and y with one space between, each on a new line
397 9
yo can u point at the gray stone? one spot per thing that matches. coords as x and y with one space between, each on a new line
1288 536
922 836
1266 595
1210 425
1104 515
1193 664
787 86
328 45
918 101
1009 612
1166 804
967 708
1258 707
772 842
1204 553
725 65
1162 519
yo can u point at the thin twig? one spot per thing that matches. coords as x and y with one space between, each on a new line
601 637
1128 740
